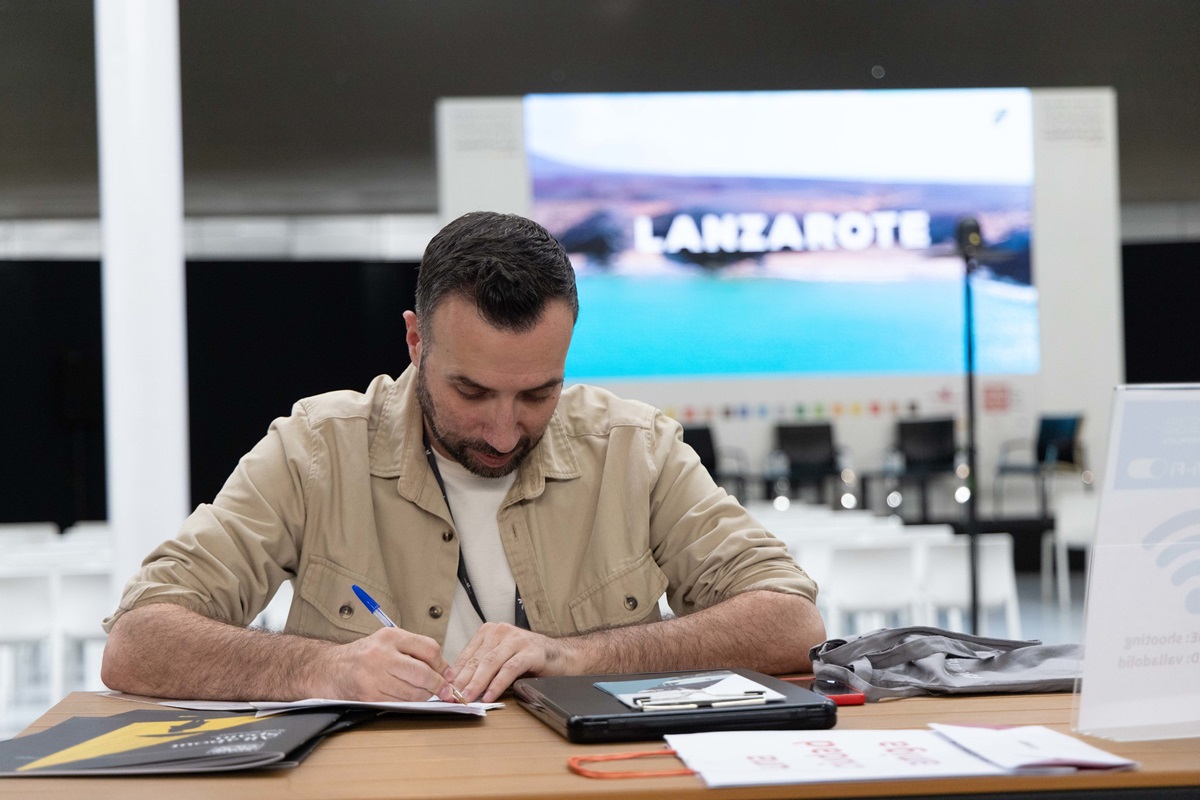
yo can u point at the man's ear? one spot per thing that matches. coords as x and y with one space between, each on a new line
412 336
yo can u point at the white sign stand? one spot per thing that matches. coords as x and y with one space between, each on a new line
1142 642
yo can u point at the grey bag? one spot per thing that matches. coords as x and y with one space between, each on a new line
903 662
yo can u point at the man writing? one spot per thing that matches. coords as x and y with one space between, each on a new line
507 525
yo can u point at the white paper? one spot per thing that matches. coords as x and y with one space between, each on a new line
1031 748
759 758
267 707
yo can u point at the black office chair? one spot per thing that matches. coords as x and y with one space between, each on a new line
813 459
927 450
927 445
724 465
1058 448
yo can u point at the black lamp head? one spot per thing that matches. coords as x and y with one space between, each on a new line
968 236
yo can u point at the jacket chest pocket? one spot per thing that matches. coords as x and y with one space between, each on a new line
626 596
331 610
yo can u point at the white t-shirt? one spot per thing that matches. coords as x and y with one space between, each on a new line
475 502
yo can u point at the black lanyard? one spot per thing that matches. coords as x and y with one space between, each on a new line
519 616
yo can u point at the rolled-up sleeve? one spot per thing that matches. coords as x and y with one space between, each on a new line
231 555
707 544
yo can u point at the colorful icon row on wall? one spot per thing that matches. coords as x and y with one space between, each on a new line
797 411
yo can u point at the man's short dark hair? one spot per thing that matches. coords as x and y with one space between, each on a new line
508 266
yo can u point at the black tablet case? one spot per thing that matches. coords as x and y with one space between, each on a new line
573 706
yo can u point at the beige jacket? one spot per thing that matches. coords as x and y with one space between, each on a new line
609 511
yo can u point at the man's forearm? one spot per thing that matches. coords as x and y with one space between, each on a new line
165 650
770 632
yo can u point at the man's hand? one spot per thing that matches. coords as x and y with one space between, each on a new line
500 653
762 630
390 664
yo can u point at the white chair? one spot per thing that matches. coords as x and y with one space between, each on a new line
26 624
870 585
1075 519
947 585
65 585
812 547
89 532
86 597
27 533
87 593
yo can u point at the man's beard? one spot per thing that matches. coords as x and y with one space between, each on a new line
460 448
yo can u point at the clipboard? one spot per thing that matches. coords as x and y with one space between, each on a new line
583 712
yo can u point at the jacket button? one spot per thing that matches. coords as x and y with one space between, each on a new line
447 535
346 611
435 612
631 602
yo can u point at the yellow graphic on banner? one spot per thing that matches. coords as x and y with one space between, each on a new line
135 736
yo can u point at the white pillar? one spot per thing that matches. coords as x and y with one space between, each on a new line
142 278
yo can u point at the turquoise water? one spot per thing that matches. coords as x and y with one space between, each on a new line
705 326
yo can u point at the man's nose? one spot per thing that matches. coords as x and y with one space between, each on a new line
503 431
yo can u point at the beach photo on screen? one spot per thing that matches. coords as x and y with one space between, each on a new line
736 234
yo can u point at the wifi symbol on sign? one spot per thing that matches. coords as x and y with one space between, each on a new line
1181 553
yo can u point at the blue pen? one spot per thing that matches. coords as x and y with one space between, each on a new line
374 608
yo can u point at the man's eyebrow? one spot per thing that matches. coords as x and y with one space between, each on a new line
550 384
463 380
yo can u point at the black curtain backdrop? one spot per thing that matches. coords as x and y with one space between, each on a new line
263 334
1161 285
52 457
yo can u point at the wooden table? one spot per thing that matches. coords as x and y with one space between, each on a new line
510 754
